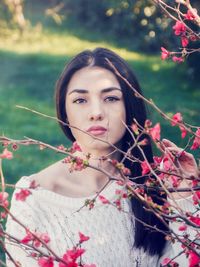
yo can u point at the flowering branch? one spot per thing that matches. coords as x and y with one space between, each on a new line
185 24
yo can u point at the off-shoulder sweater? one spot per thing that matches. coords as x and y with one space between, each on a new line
111 231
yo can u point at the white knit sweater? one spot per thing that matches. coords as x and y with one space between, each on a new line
110 230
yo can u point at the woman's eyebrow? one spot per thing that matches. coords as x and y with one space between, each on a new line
105 90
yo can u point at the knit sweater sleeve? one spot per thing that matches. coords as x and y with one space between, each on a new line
23 212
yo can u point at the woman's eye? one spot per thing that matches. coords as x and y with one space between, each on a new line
79 101
111 99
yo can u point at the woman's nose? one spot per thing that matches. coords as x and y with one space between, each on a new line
96 113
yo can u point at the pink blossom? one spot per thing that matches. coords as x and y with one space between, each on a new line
3 199
6 154
14 146
121 193
75 147
190 15
155 132
30 237
182 227
195 219
83 238
165 53
179 28
33 184
177 118
71 256
45 262
193 38
147 124
196 142
126 171
194 259
22 195
135 129
157 160
103 199
196 198
61 147
78 164
177 59
118 203
174 180
184 41
183 131
145 167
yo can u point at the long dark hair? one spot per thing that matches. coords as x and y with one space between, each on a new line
150 240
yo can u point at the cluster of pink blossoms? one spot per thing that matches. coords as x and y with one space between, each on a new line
181 30
70 258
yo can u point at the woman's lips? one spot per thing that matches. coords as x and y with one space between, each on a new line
97 130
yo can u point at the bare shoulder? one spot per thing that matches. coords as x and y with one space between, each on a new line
51 175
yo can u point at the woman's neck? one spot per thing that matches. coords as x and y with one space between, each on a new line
92 176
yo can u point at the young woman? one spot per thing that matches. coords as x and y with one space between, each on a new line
95 104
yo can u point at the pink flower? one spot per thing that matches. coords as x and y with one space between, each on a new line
121 193
71 256
78 164
182 227
165 53
103 199
75 147
22 195
183 131
196 198
196 142
145 167
177 59
14 146
195 219
179 28
155 132
135 129
36 242
184 41
191 15
61 147
147 124
3 199
177 118
194 259
126 171
118 204
83 238
193 38
45 262
6 154
29 237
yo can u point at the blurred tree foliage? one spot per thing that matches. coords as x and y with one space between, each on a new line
12 13
136 24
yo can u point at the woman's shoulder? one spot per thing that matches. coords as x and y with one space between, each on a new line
44 178
47 177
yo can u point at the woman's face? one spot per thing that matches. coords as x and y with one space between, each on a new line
94 104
